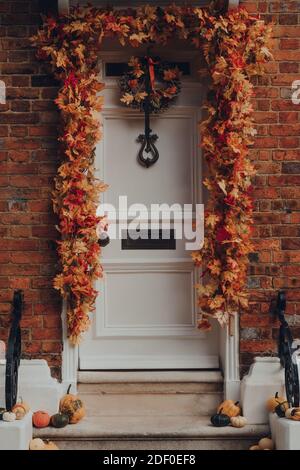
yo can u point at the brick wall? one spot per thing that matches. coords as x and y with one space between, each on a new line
28 161
276 263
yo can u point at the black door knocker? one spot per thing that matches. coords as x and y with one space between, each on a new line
140 91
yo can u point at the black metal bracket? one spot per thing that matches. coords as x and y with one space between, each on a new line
287 350
13 353
148 154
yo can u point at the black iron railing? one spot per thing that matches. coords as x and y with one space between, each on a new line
13 353
287 352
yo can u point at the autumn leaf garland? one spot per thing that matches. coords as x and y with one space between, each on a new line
235 47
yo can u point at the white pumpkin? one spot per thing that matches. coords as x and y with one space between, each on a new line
9 416
256 447
238 421
266 444
36 444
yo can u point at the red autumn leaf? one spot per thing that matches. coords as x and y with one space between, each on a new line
222 235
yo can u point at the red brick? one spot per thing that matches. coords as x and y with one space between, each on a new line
52 347
289 44
18 155
266 142
287 117
46 333
33 347
51 321
31 322
286 32
288 142
285 155
20 283
288 67
261 346
20 231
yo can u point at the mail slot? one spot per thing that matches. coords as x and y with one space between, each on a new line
149 240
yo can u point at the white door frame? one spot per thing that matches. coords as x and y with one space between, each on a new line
229 358
228 338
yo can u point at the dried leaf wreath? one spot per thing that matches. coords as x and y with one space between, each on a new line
235 47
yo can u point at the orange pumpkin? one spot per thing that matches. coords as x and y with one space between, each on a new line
72 406
40 419
274 401
230 408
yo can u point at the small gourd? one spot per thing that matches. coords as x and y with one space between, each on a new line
238 421
230 408
24 403
40 419
49 445
72 406
256 447
220 420
19 410
266 444
274 401
281 408
9 416
36 444
293 413
59 420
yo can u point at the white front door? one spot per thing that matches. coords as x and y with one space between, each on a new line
146 311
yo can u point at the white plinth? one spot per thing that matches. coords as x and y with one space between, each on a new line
265 378
36 386
285 433
16 435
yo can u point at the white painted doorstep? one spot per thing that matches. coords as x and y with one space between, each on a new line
285 433
17 434
36 386
265 378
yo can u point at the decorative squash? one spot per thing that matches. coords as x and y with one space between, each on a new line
24 403
59 420
40 419
220 420
19 410
49 445
274 401
293 413
266 444
256 447
230 408
8 416
281 408
72 406
238 421
36 444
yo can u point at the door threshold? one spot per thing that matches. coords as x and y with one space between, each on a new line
166 376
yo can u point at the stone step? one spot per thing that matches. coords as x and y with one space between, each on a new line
151 393
152 433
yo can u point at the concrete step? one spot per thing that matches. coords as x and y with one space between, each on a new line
150 393
152 433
